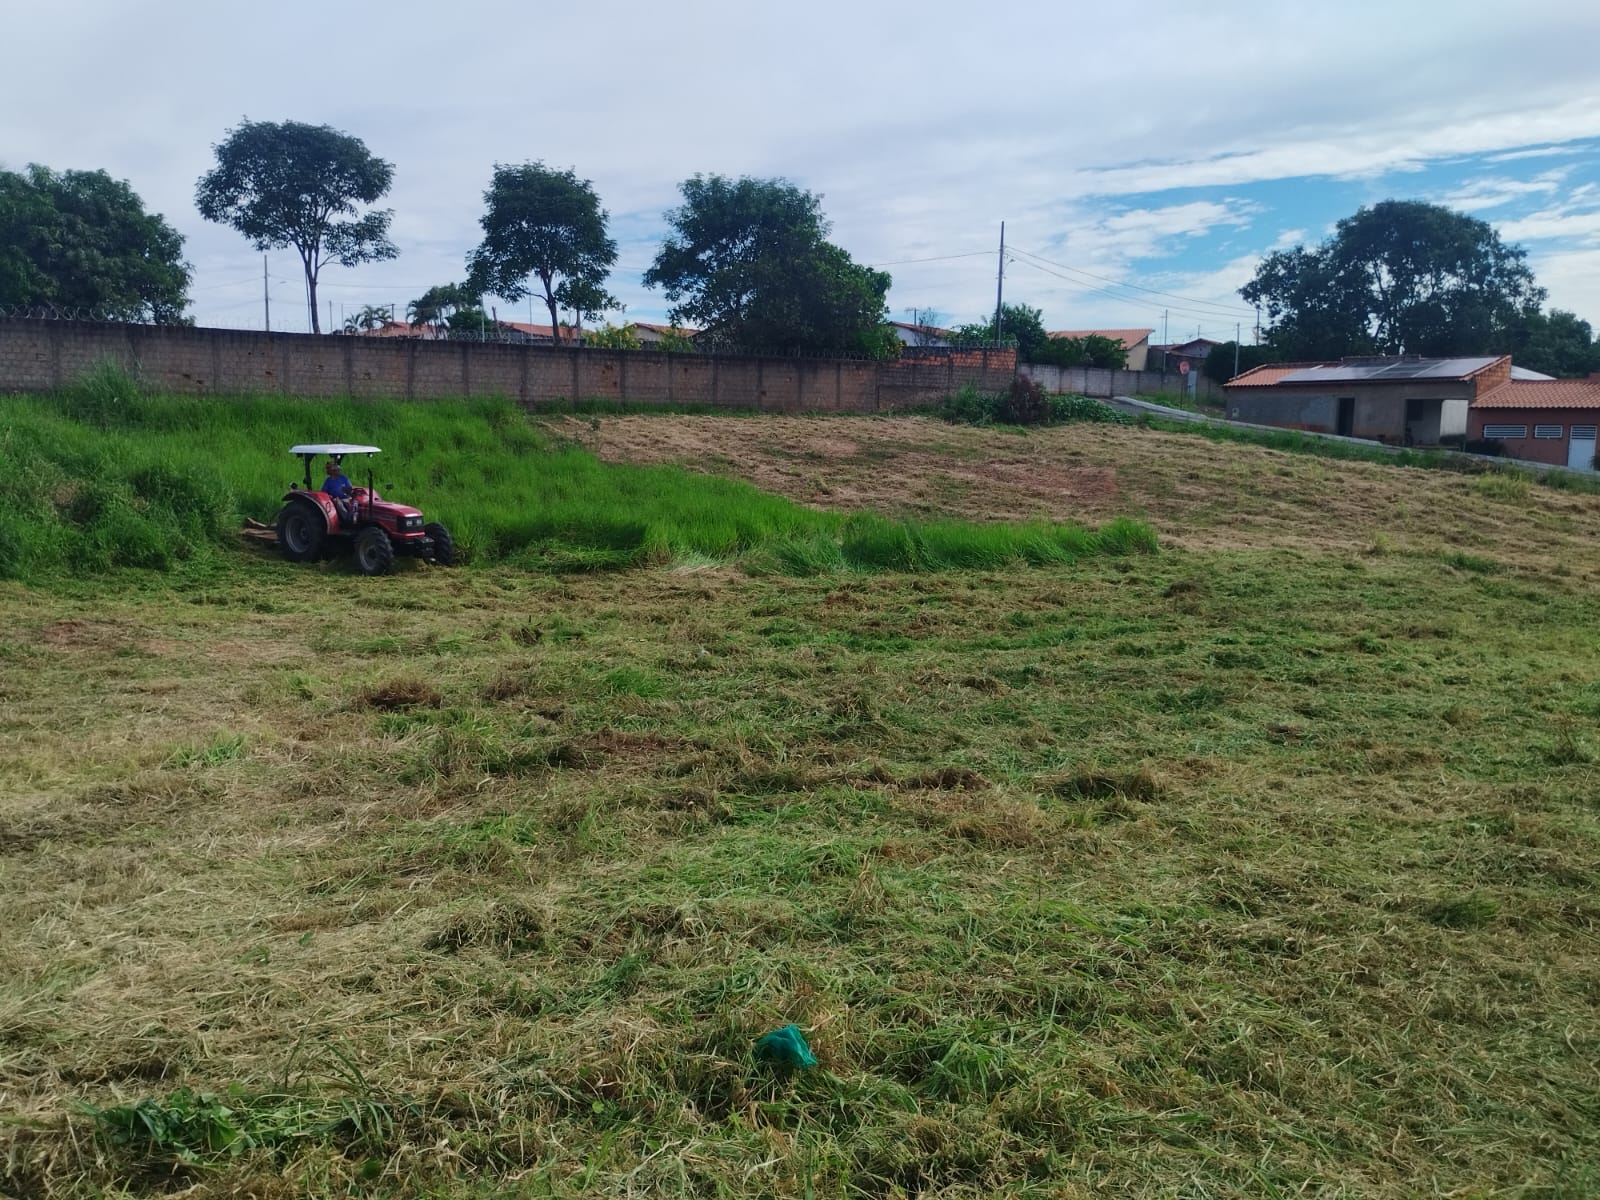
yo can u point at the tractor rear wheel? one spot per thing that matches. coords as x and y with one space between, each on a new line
374 553
302 532
444 546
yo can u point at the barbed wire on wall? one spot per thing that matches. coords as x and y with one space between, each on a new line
502 336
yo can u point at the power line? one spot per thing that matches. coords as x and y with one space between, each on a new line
1222 309
1209 316
211 287
936 258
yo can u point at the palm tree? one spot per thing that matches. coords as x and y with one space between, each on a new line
436 305
372 316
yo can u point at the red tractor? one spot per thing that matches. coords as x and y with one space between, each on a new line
313 523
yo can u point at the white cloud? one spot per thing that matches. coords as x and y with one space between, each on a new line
1499 190
1543 226
1572 277
1409 142
1535 152
924 130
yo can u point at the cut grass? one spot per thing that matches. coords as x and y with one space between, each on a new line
1227 874
1201 494
105 477
1295 442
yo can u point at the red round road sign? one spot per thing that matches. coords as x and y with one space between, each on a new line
1183 366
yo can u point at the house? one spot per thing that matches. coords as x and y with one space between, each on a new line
1135 341
404 329
501 331
650 336
1403 400
920 335
1168 358
1541 420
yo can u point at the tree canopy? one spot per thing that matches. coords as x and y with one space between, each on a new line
82 240
544 224
1557 343
439 303
1020 325
291 184
1401 277
748 261
1091 350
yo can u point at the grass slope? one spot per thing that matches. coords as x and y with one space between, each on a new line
1214 873
105 477
1265 866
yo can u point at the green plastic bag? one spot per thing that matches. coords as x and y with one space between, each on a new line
787 1047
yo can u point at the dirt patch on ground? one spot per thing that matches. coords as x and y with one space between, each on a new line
1199 494
76 634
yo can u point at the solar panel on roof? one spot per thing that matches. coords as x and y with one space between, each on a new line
1382 371
1405 370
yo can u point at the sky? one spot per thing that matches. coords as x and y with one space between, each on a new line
1144 158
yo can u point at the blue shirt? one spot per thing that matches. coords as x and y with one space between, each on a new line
337 486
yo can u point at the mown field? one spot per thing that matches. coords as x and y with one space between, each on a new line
1262 865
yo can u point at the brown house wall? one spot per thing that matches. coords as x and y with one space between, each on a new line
47 355
1379 410
1530 448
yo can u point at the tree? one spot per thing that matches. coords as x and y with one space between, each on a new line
748 261
291 184
371 316
1558 344
1401 277
925 323
1091 350
436 305
82 240
613 337
1220 360
548 225
1020 325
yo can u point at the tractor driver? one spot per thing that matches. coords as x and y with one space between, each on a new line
337 486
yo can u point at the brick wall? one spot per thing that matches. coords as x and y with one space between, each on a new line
43 356
1556 450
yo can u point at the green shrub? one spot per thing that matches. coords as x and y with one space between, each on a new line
1068 409
1025 403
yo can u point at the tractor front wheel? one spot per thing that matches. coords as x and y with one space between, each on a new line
302 532
374 553
444 546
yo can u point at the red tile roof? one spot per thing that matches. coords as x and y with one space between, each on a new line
1128 337
543 331
401 329
1270 373
928 330
680 330
393 329
1543 393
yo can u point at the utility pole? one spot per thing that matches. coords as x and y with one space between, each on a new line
266 294
1236 336
1258 324
1000 282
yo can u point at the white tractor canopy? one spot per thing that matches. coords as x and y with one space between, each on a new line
337 449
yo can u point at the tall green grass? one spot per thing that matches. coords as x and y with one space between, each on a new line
104 476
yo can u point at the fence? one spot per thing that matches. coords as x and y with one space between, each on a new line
45 355
1101 381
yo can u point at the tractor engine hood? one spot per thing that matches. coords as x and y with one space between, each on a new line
388 507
